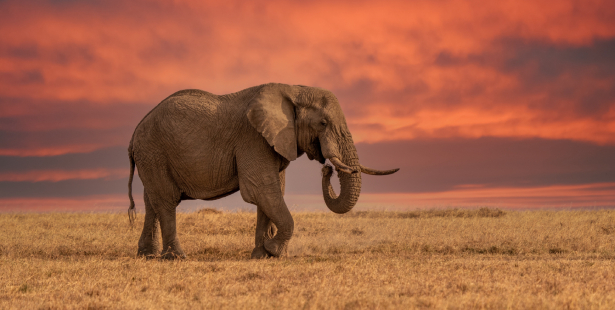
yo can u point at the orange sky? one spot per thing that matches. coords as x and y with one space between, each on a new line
77 76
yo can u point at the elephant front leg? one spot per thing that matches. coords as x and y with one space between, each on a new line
265 230
149 245
271 202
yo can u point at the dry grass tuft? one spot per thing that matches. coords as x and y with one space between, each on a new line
208 211
444 259
464 213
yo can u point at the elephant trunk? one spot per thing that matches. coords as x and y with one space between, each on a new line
350 180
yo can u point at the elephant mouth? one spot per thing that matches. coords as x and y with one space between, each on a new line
315 152
321 158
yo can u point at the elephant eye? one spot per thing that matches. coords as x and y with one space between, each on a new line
323 122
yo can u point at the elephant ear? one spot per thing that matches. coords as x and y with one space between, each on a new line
272 113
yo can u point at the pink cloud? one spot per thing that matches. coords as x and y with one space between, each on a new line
88 203
595 195
55 58
61 175
567 196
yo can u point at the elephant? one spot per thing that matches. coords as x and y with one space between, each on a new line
198 145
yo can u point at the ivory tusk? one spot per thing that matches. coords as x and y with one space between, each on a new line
340 166
377 172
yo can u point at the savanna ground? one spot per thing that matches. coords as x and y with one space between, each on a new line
447 259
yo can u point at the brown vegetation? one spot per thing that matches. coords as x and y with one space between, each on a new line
453 259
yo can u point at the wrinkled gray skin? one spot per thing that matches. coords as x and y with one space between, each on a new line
197 145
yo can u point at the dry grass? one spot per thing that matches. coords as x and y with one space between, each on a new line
451 259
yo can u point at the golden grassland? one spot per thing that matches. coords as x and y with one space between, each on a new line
445 259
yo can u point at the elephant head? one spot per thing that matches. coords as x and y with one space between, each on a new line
299 119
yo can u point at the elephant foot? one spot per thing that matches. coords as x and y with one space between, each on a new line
148 253
147 256
276 248
260 253
171 254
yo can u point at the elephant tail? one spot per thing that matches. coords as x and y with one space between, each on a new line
132 214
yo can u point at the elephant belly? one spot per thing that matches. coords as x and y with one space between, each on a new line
223 195
205 194
207 184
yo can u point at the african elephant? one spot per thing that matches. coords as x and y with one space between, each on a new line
197 145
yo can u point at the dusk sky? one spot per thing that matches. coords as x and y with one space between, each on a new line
480 103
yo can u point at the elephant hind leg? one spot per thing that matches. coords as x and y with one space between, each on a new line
149 244
163 201
171 249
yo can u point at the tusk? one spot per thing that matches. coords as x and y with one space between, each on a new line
340 166
377 172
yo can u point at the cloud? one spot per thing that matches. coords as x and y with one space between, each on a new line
108 158
401 69
105 164
61 141
87 203
52 127
33 77
439 165
426 166
445 164
455 93
61 175
66 188
512 88
597 195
